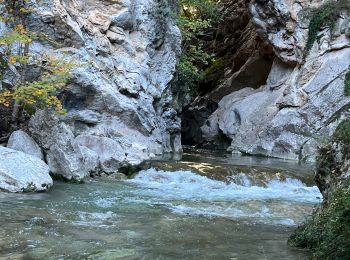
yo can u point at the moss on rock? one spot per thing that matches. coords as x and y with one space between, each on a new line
342 138
325 15
216 70
327 232
347 84
129 170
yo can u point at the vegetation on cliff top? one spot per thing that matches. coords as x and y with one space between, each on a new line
196 18
326 15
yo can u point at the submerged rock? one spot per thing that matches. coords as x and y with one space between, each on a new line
20 172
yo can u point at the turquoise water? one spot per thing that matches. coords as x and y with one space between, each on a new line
245 213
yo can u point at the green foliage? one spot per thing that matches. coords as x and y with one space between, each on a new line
326 15
326 164
188 75
200 8
195 18
30 188
216 70
347 84
192 28
190 72
40 93
327 232
342 133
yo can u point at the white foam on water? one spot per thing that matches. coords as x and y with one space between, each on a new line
187 193
190 186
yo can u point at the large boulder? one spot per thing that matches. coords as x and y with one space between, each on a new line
21 141
20 172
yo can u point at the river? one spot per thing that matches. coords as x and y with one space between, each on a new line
204 206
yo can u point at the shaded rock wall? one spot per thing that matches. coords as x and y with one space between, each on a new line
238 46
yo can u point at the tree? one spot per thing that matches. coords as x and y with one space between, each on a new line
29 94
195 19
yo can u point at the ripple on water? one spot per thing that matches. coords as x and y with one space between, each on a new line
158 214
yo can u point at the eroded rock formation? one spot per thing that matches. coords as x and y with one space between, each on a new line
119 105
248 60
302 100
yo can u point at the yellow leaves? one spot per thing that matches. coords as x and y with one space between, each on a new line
43 92
5 98
53 101
12 60
7 94
20 29
38 93
56 72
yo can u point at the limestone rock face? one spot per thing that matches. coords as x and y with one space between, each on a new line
119 104
21 141
284 24
302 101
20 172
248 59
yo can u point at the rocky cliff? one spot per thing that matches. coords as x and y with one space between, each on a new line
301 99
119 105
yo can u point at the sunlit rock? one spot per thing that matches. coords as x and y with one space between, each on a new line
20 172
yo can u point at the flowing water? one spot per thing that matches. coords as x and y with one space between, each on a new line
204 206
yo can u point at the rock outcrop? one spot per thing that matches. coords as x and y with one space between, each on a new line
302 101
21 141
333 161
20 172
241 53
119 104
